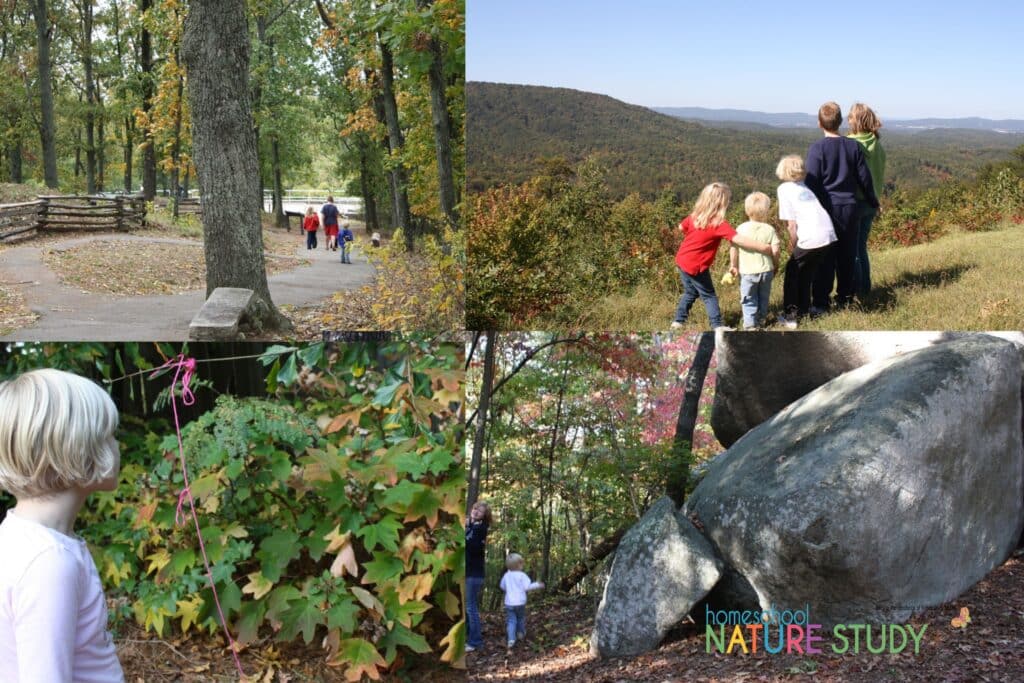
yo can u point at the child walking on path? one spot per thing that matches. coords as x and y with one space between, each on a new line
703 230
864 126
516 585
57 446
756 270
836 171
310 224
811 236
345 243
476 547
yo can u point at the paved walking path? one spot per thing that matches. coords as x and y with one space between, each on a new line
69 314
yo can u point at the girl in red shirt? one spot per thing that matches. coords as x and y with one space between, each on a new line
310 224
703 230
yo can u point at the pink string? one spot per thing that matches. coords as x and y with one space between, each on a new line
183 370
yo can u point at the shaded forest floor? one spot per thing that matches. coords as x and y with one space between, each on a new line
146 658
990 648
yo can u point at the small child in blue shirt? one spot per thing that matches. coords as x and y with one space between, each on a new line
345 243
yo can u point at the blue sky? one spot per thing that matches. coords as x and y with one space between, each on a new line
905 59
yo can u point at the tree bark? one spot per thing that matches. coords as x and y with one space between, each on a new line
148 91
176 149
280 219
14 162
396 142
129 155
215 51
85 14
366 188
547 519
442 128
481 426
47 128
686 422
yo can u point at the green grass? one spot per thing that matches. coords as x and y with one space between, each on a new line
963 281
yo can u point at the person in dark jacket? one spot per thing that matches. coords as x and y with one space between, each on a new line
837 174
476 545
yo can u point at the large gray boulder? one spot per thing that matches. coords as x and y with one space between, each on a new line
662 568
893 487
760 374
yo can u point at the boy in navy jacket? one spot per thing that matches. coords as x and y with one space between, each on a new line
836 168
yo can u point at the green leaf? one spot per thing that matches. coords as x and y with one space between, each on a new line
400 496
281 466
312 354
274 352
361 658
384 568
343 614
288 373
385 395
384 533
303 616
400 636
276 551
249 621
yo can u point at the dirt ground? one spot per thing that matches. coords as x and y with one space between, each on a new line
989 648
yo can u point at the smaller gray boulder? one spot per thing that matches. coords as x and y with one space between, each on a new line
662 568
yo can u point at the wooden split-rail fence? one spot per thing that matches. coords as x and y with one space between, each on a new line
57 213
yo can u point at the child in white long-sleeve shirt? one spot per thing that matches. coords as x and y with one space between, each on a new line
57 446
516 584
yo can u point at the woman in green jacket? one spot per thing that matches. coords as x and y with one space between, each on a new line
864 127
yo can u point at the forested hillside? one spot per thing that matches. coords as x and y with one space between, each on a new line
512 129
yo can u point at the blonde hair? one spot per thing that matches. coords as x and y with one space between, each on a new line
310 210
830 116
791 168
757 205
711 205
482 505
56 433
863 119
513 562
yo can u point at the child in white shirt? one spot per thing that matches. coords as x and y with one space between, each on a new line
57 446
811 236
516 584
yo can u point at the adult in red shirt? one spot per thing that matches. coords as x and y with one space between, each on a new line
703 230
330 219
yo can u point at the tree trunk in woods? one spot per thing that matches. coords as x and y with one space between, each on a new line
215 50
14 162
128 153
47 128
280 219
442 128
90 97
481 425
176 149
396 141
148 91
369 203
548 495
686 422
101 156
582 568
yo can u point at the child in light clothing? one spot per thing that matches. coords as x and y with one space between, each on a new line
57 446
516 585
811 236
755 269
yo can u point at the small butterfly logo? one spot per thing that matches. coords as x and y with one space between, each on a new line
962 620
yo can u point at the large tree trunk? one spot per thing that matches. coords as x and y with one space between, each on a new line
148 91
47 128
176 149
481 426
686 422
442 128
85 9
215 51
395 140
129 156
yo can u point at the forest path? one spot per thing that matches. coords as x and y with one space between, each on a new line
67 313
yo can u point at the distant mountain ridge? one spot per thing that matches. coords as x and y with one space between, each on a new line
513 130
800 120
